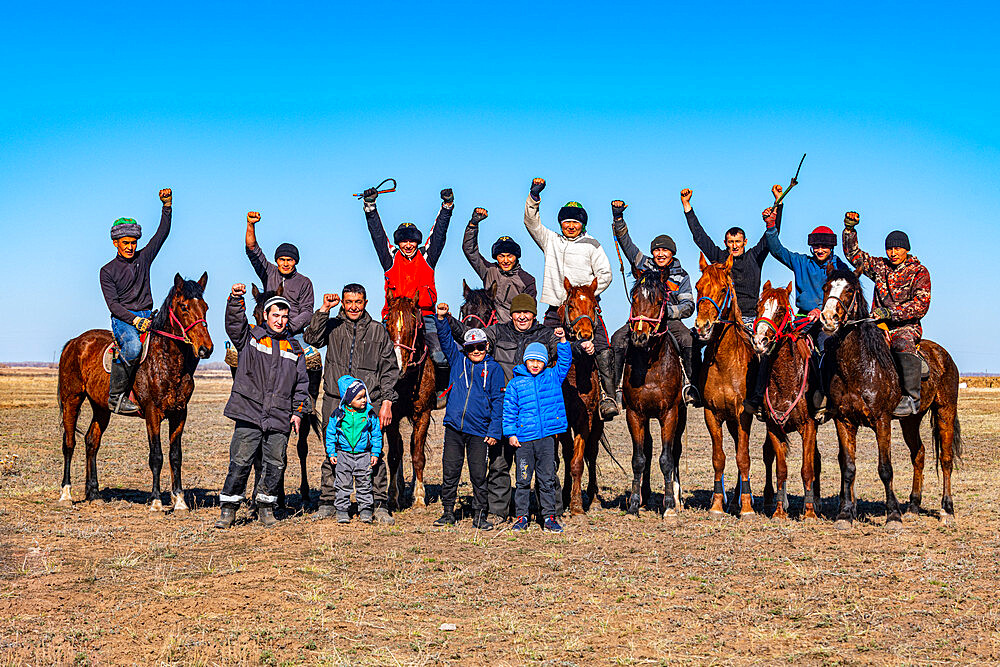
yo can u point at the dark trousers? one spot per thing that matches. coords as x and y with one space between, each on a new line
247 440
458 447
328 481
498 489
601 340
679 330
536 458
354 471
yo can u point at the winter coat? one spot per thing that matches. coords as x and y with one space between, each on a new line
681 303
746 268
296 288
361 348
337 441
904 290
534 407
810 275
475 399
508 283
125 282
507 343
271 382
580 260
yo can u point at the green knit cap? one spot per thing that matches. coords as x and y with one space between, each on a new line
125 227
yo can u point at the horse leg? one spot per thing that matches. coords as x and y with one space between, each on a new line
810 469
395 462
718 461
638 427
668 423
153 420
98 425
945 432
676 451
847 435
418 439
781 451
883 434
302 449
70 415
175 423
740 430
911 436
590 456
647 457
576 471
769 452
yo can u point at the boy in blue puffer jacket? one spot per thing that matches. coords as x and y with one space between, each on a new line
472 418
353 443
533 413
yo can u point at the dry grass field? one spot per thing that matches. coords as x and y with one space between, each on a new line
110 582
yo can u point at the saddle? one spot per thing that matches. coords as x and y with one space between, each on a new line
112 350
925 370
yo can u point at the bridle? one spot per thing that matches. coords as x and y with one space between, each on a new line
726 302
850 308
570 325
655 321
491 320
412 347
184 338
788 327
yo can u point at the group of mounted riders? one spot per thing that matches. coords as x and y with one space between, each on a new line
274 386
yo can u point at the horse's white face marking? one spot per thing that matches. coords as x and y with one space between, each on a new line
399 358
829 314
770 308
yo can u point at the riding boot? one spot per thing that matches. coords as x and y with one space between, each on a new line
121 386
909 366
609 407
618 369
689 392
755 402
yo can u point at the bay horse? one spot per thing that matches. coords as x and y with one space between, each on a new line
786 397
164 382
416 399
726 372
652 389
582 393
479 306
864 391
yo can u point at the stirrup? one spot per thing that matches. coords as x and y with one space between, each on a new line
608 415
690 395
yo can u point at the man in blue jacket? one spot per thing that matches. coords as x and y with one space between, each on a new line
473 418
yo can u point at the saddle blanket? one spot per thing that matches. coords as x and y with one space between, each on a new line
111 351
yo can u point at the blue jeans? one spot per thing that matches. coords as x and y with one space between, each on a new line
127 336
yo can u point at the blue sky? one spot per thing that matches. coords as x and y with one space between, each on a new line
288 109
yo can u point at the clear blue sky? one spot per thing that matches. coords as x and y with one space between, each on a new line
288 109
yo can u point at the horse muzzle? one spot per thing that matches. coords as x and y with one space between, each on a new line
761 344
205 351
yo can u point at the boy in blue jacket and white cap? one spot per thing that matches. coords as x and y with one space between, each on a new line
472 419
353 443
533 413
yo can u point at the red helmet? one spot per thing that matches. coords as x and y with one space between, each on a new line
823 236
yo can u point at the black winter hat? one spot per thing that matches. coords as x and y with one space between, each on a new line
897 239
287 250
407 231
574 210
665 242
506 244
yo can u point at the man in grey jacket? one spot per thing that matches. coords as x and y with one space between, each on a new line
359 346
268 399
506 273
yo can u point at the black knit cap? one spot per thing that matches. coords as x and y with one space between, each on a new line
407 231
506 244
897 239
665 242
287 250
573 211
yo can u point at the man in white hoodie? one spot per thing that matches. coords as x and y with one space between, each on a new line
578 257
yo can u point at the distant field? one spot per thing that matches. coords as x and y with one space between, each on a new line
109 582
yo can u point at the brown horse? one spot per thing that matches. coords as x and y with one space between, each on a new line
582 394
652 389
163 385
728 364
415 389
786 397
864 390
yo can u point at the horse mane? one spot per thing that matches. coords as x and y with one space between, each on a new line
871 337
651 285
479 298
191 290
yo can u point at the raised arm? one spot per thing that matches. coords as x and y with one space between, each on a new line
152 248
256 256
774 245
237 327
713 253
377 231
632 253
470 244
564 359
439 232
448 344
532 218
855 255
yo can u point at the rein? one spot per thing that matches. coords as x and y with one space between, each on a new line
412 348
656 322
184 330
783 417
492 320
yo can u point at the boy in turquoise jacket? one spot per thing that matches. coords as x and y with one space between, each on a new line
353 444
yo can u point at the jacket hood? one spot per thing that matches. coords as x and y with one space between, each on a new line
345 381
521 369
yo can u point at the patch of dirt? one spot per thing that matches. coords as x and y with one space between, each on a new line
111 582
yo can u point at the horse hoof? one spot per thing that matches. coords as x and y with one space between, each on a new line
748 515
810 516
157 506
947 519
179 503
842 525
894 525
718 507
65 498
779 514
670 515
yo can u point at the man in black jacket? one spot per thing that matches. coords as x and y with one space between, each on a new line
269 398
359 346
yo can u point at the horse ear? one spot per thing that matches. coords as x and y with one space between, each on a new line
465 289
493 291
858 271
567 284
178 282
766 287
281 289
789 288
593 285
829 269
729 263
702 262
254 291
203 281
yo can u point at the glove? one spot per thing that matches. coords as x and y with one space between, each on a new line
447 196
770 216
814 314
478 215
618 209
851 219
881 314
370 194
672 298
141 323
537 185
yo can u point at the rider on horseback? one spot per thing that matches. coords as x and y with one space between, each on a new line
901 298
506 273
681 304
125 284
578 257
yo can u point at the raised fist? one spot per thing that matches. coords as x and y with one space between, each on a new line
253 217
776 191
166 196
239 289
329 301
370 194
479 214
686 196
442 310
447 196
880 314
537 185
851 218
770 215
618 209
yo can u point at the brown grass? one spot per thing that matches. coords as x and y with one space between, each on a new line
109 582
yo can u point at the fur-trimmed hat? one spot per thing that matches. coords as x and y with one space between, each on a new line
897 239
407 231
823 236
574 210
665 242
508 245
125 228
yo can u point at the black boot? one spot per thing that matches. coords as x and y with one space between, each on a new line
482 521
266 515
121 386
609 407
227 517
618 370
689 393
447 518
441 378
909 367
755 402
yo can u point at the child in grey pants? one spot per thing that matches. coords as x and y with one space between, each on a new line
353 444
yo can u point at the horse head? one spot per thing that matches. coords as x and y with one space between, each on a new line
479 308
403 322
774 310
578 312
182 315
260 298
843 299
649 298
716 296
